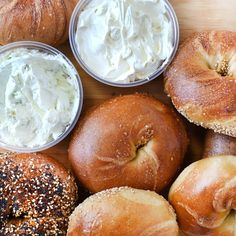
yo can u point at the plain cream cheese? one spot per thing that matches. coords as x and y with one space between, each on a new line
124 40
39 97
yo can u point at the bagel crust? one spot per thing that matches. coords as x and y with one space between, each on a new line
204 197
123 211
44 21
37 195
201 80
131 140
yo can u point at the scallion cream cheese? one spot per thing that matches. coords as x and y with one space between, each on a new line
39 97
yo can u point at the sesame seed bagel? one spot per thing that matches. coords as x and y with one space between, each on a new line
123 212
131 140
37 195
201 80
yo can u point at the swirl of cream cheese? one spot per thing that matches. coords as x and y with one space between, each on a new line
39 97
124 40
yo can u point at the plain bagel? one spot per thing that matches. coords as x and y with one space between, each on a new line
201 80
204 197
131 140
123 211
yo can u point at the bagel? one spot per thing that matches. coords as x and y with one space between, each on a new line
37 195
204 197
123 211
219 145
37 20
201 80
131 140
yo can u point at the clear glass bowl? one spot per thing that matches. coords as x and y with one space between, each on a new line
175 40
41 47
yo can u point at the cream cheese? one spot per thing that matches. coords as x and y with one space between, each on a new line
39 97
124 40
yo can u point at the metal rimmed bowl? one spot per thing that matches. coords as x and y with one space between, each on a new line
170 14
46 49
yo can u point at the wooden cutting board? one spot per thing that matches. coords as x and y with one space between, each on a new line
193 15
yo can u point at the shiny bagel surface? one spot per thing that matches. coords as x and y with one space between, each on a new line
204 197
123 211
131 140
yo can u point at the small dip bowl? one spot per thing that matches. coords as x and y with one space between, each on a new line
169 14
68 73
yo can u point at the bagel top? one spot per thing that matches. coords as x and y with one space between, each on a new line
37 20
37 195
131 140
204 197
201 80
123 211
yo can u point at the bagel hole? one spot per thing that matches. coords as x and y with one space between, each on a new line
12 216
16 213
147 134
233 211
222 68
139 147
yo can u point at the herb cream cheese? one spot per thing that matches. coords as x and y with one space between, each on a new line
39 97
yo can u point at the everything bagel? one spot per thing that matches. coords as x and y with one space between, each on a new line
37 195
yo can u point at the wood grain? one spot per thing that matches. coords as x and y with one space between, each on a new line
193 16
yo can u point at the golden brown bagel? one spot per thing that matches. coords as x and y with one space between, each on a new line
204 197
201 80
37 195
123 211
37 20
219 145
131 140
